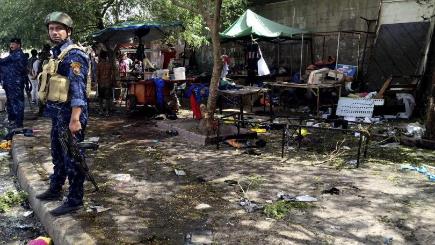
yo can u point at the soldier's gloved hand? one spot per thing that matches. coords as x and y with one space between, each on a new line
75 126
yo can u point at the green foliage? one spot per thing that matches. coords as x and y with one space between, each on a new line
280 209
195 31
25 18
10 199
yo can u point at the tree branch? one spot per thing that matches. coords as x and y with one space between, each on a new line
184 5
106 5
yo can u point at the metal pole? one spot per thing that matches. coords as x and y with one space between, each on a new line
338 50
278 53
302 56
359 149
357 59
323 48
283 140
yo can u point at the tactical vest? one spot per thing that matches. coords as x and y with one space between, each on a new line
55 87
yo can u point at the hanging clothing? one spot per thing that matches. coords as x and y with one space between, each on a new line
263 69
167 56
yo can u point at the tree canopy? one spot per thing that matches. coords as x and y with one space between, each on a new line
24 18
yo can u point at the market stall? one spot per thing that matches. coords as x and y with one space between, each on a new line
150 85
250 30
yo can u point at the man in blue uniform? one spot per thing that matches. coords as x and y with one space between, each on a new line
14 69
71 114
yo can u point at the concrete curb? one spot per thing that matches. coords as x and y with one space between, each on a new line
63 230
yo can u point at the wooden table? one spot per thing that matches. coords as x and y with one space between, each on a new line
241 92
314 88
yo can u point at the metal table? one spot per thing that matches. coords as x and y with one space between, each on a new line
314 88
241 92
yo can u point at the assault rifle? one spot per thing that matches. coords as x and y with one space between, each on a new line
70 146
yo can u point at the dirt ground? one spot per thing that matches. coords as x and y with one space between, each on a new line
149 204
18 223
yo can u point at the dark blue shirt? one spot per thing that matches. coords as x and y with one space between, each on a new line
14 67
77 88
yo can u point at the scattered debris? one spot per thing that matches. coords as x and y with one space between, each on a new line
4 155
202 206
388 240
199 237
24 227
27 213
231 182
172 132
391 145
252 152
122 177
128 125
250 206
306 198
422 169
292 198
97 209
415 130
179 172
286 197
41 241
5 144
236 143
259 130
332 191
94 139
148 141
352 162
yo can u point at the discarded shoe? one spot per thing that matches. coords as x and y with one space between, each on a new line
172 132
65 208
49 195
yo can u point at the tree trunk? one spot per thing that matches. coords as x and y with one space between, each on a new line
208 124
430 115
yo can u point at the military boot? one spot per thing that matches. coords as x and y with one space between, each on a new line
66 208
50 195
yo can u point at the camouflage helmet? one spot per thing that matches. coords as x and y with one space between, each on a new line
59 17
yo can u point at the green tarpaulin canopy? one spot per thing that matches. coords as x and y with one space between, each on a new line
253 24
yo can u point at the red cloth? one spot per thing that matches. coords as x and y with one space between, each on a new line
167 56
195 107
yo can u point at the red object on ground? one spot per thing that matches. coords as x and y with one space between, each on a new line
195 107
